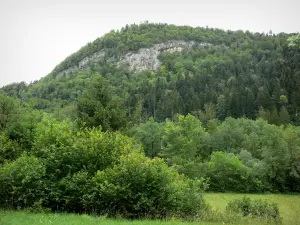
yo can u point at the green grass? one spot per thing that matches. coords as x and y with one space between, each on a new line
289 206
29 218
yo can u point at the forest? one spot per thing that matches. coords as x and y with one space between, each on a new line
223 117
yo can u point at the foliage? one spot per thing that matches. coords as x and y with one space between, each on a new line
140 187
224 111
259 208
149 134
9 112
288 204
183 140
99 106
9 149
227 73
289 208
294 41
236 155
21 182
228 173
88 170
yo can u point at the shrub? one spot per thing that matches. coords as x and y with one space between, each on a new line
76 192
9 150
92 150
256 208
70 164
88 170
141 187
21 182
227 172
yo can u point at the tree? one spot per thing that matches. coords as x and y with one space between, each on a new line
263 114
221 108
275 156
9 112
183 141
284 116
274 118
291 136
227 172
149 134
283 100
9 149
100 106
294 41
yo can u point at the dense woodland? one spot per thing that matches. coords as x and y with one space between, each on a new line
221 118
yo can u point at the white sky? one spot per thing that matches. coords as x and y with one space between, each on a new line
36 35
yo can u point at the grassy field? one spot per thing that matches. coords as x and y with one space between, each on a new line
289 206
28 218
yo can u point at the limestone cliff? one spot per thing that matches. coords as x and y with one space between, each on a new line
143 59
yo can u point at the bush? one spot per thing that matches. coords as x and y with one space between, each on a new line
21 183
92 150
88 170
67 150
141 187
72 157
256 208
76 192
227 173
9 150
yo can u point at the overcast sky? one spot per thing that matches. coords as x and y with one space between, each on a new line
36 35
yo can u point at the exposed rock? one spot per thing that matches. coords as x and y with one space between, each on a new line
146 58
143 59
67 71
96 57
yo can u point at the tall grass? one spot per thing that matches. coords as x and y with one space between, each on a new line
289 204
289 207
30 218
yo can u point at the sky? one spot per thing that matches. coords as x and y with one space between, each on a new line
36 35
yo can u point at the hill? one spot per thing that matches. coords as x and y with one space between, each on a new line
160 70
142 121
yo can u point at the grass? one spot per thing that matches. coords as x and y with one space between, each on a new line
29 218
289 206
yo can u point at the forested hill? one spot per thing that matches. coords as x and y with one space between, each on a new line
161 70
140 122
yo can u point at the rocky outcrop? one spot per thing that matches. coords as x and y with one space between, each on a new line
146 58
94 58
143 59
67 71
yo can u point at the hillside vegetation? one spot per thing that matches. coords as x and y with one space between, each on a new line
218 112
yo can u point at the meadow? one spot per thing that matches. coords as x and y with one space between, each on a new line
289 206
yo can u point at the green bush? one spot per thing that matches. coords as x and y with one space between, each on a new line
92 150
67 150
76 192
256 208
91 171
9 150
72 157
21 182
141 187
227 172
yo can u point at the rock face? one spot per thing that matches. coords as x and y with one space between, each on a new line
67 71
143 59
146 58
94 58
